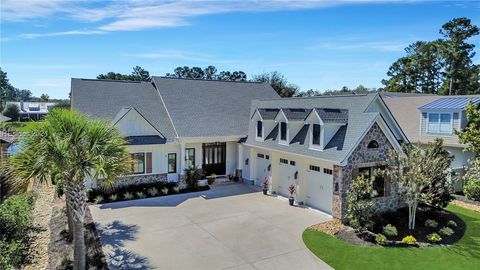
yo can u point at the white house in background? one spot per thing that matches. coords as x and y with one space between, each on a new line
319 144
426 117
33 110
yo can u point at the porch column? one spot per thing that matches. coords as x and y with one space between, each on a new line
239 156
182 158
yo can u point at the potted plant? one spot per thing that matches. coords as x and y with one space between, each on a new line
291 189
265 185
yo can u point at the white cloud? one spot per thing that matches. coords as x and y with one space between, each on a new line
65 33
134 15
182 55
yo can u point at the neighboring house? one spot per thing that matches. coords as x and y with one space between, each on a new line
172 124
317 143
426 117
32 110
320 144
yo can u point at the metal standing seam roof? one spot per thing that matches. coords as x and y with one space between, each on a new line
342 142
450 103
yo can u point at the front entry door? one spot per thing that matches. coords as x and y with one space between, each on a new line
214 158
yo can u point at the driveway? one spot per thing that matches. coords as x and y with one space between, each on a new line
228 227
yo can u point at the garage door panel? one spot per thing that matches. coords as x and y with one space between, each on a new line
262 169
320 191
287 172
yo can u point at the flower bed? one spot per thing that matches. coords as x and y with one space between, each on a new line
140 191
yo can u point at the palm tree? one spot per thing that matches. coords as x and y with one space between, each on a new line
78 148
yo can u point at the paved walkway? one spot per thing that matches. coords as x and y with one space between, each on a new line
227 227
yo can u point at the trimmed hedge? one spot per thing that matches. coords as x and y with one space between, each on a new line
104 196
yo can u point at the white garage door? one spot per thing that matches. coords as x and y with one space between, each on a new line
320 188
262 168
287 175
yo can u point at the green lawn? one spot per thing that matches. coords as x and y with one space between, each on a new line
22 126
465 254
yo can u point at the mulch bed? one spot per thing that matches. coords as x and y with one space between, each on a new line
462 201
60 250
332 227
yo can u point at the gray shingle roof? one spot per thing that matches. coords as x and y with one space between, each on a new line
105 98
333 115
144 140
296 114
203 108
268 113
343 141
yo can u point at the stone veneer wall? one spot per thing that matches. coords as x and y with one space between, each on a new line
132 180
363 157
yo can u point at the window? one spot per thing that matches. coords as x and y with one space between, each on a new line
189 157
316 134
373 145
314 168
138 163
260 155
327 171
267 156
292 162
439 123
283 131
284 161
259 129
379 183
172 162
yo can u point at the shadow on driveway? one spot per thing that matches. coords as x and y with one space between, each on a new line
113 237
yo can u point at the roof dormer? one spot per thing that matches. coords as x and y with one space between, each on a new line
263 122
323 124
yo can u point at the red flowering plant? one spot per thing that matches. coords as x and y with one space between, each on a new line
291 189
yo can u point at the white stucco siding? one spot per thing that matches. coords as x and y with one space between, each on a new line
133 124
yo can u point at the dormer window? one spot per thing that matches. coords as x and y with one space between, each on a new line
439 123
316 134
283 131
259 129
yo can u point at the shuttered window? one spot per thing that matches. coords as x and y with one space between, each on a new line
149 162
172 162
138 163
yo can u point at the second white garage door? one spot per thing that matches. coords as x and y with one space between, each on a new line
263 168
288 168
320 188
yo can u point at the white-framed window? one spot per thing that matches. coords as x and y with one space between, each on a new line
327 171
259 129
189 157
314 168
284 161
439 123
172 162
293 163
260 155
138 163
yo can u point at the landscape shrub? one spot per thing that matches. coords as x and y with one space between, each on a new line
430 223
360 207
409 240
390 230
446 231
140 194
472 188
93 193
452 224
176 189
128 196
98 199
113 197
434 237
15 223
381 239
152 191
165 191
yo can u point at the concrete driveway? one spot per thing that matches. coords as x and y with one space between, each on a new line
228 227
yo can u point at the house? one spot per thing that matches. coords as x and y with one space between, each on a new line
320 144
32 110
426 117
172 124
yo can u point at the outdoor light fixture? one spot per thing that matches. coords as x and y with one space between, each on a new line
295 175
269 167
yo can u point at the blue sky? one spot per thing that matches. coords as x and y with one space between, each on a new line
316 44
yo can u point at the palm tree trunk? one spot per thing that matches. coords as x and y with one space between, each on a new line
76 201
71 226
79 252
